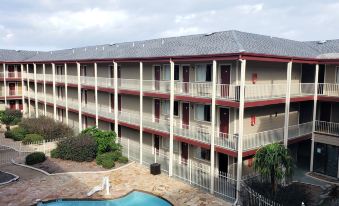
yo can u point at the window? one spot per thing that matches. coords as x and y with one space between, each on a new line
203 73
203 112
203 154
59 69
166 72
337 75
83 70
165 107
176 108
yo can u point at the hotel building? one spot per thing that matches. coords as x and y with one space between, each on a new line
201 105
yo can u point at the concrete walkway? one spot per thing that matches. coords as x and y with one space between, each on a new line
23 172
301 176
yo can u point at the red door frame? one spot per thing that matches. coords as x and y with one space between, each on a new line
11 87
11 71
156 110
185 114
157 75
184 152
186 78
224 114
156 143
225 79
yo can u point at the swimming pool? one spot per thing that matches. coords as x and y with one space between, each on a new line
135 198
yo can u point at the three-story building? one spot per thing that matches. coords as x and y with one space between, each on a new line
201 105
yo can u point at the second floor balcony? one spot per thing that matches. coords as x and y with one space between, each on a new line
330 128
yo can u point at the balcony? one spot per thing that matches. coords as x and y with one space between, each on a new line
226 141
16 92
129 84
194 89
11 74
197 132
156 86
331 128
326 89
256 140
87 81
105 82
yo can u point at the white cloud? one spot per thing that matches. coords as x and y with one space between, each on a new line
251 9
80 20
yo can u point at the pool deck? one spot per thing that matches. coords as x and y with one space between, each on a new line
75 185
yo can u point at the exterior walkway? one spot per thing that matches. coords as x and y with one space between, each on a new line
300 175
76 185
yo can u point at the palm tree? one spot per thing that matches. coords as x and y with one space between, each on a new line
10 117
274 162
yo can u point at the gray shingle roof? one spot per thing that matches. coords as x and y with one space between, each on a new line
225 42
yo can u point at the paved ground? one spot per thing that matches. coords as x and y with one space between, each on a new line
22 172
300 175
35 186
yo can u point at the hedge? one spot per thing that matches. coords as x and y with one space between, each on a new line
35 158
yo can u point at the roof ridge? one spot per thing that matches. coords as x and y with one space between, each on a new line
236 39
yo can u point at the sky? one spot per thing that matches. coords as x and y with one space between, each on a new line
60 24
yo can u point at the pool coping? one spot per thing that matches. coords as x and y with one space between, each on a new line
103 199
15 178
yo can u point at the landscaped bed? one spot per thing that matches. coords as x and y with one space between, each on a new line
53 165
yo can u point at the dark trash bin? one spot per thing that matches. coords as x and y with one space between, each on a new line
155 169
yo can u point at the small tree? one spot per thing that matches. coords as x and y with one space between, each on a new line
10 117
274 162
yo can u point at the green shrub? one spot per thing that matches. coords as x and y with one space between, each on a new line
105 139
17 134
55 153
123 160
31 138
80 148
46 127
35 158
10 117
106 160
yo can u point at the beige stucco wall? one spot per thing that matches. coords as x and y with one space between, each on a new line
330 73
266 119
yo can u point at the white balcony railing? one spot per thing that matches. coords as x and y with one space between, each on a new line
129 84
105 111
59 78
228 91
156 86
300 130
252 141
331 128
151 122
71 79
105 82
227 141
196 132
49 77
88 107
11 74
302 89
328 89
195 89
130 117
89 81
16 92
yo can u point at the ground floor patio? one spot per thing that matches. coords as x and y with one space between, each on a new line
28 190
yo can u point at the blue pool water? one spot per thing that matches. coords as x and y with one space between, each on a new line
135 198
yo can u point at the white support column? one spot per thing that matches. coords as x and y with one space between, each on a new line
96 94
36 92
287 102
45 98
5 86
54 92
116 102
170 171
141 108
23 92
28 91
315 99
241 125
79 97
66 94
214 87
